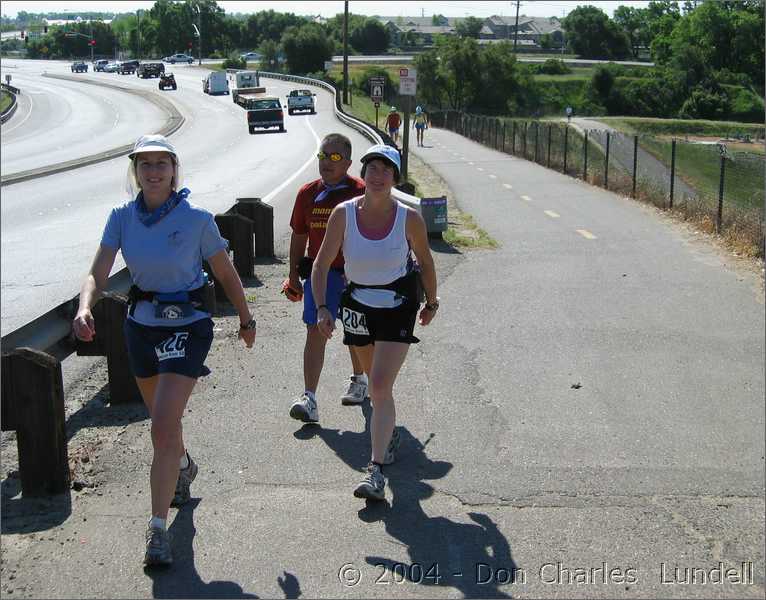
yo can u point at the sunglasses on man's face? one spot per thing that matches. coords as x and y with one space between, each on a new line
333 156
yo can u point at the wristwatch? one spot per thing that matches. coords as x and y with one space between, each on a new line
247 326
432 306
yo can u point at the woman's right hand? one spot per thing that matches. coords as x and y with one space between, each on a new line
83 326
325 322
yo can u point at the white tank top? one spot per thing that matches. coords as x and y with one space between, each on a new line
375 262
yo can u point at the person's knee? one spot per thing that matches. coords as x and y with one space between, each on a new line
166 435
380 390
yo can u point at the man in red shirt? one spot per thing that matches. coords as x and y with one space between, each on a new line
312 209
393 122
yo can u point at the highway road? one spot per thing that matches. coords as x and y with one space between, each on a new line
51 225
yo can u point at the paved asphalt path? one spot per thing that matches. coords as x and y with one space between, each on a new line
586 412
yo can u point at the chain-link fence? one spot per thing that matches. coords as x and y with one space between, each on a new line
721 189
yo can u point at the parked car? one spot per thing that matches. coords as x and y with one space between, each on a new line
179 58
112 67
251 56
128 67
150 69
300 100
99 64
79 67
168 80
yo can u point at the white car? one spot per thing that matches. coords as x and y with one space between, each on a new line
112 67
251 56
175 58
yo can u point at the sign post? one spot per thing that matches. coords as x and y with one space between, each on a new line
407 87
376 85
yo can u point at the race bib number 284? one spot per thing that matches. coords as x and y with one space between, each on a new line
354 322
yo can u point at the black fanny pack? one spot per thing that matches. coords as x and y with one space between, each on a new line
408 287
175 305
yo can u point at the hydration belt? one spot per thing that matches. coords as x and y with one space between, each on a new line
174 305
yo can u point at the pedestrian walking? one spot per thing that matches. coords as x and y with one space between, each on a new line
393 122
381 302
420 123
164 239
313 205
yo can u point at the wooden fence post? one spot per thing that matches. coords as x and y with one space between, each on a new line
33 406
262 215
238 230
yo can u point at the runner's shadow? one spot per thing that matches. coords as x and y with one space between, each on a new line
474 557
290 585
181 579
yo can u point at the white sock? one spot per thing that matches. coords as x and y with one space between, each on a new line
157 523
360 378
184 462
310 395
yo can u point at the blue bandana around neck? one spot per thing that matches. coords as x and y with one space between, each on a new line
153 217
330 188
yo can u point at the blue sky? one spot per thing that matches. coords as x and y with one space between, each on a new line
329 8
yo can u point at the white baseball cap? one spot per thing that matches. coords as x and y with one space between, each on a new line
387 153
152 143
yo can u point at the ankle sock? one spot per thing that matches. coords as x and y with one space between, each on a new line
310 395
157 523
360 378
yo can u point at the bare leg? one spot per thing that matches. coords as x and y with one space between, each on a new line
313 357
356 362
148 388
171 395
387 360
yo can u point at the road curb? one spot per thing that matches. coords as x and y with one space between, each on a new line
174 122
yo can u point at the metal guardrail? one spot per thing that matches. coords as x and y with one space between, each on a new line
13 91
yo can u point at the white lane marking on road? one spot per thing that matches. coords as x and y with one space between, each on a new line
508 185
552 214
526 198
492 176
310 160
586 234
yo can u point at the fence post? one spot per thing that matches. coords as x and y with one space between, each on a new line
238 230
537 141
672 170
585 159
720 195
33 406
635 163
566 144
262 215
549 144
606 164
513 138
497 128
110 313
524 147
503 142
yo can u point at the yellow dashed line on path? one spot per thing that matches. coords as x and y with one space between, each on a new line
493 176
527 198
552 215
508 185
586 234
479 168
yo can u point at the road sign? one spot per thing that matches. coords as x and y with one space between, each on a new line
377 85
377 104
408 82
327 65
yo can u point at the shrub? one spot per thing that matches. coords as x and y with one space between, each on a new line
234 62
553 66
746 105
705 104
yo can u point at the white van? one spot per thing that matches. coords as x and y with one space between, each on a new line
215 83
247 79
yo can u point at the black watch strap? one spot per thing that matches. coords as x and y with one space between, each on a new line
249 325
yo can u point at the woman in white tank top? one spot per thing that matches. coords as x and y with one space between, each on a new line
380 304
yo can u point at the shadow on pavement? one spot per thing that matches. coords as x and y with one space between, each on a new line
475 558
181 579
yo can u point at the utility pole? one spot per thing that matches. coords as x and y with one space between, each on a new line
138 31
516 31
345 52
90 42
199 32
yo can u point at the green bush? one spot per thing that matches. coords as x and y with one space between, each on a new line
360 80
705 104
234 62
553 66
746 105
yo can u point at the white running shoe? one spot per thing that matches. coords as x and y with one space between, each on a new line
373 486
305 409
356 394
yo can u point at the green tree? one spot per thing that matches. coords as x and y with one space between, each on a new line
306 48
439 20
269 51
632 21
370 38
591 34
469 27
430 78
458 60
505 85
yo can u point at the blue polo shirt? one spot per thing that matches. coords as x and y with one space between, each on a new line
166 257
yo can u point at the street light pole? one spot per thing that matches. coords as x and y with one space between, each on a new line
345 52
199 32
138 31
90 42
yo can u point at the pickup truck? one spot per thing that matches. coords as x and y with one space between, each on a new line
79 67
300 100
244 96
154 69
263 112
128 67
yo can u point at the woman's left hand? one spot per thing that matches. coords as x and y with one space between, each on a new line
426 316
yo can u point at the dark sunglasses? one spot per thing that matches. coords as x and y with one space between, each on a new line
333 156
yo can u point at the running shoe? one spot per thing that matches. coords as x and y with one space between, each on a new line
183 485
305 409
373 485
158 551
356 394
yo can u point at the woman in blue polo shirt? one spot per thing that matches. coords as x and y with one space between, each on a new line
164 239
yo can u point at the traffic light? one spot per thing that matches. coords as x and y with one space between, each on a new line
23 35
45 29
190 45
92 43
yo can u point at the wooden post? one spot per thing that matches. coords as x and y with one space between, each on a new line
550 126
33 399
262 215
585 162
635 163
239 231
566 144
719 215
672 170
606 163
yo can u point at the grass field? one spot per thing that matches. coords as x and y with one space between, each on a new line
5 100
680 127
